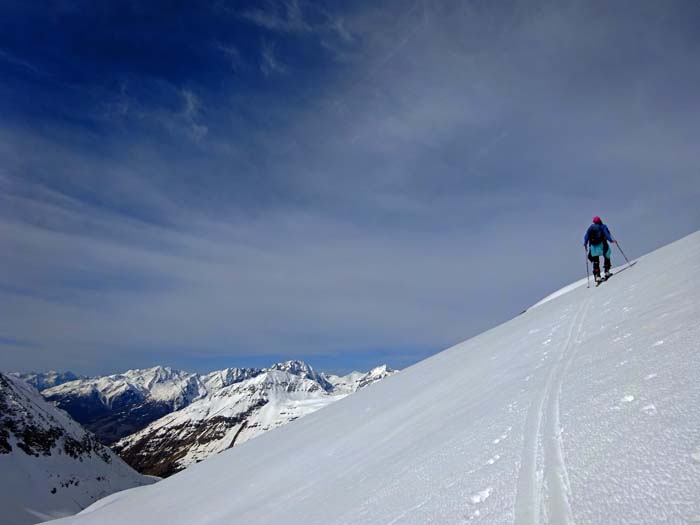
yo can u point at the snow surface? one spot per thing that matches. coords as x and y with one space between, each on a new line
577 284
585 409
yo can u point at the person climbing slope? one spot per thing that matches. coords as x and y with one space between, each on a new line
596 241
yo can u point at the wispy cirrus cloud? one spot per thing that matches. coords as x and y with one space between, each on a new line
269 61
232 53
182 115
191 114
281 16
292 17
425 175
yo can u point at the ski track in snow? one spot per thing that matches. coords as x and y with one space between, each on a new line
543 439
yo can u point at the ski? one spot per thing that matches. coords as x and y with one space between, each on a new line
602 280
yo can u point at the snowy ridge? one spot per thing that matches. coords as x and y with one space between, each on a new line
49 465
353 381
222 378
117 405
158 383
585 409
302 369
576 284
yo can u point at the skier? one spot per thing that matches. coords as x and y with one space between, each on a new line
596 242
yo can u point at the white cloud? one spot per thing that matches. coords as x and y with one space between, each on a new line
445 171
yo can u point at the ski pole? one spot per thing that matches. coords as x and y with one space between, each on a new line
588 275
623 253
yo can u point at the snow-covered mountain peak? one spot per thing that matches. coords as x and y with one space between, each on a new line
147 378
296 367
116 405
302 369
228 376
355 380
229 416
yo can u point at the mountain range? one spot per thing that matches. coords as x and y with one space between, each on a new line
236 413
162 420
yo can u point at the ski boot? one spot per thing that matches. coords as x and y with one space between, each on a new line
608 274
598 278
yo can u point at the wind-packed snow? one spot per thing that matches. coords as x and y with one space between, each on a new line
585 409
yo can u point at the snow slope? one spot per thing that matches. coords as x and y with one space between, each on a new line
584 409
49 465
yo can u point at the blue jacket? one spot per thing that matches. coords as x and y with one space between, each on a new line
606 232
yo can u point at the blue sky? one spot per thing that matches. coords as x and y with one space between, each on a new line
223 183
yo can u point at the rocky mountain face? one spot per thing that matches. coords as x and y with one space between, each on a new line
234 414
117 405
228 417
50 466
303 370
221 378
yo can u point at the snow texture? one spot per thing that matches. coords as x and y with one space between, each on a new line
544 419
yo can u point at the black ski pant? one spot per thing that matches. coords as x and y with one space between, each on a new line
596 260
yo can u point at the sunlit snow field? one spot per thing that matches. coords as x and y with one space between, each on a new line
585 409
